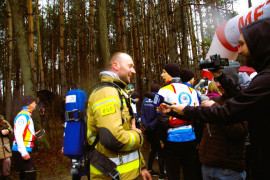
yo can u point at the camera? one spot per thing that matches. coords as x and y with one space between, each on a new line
215 62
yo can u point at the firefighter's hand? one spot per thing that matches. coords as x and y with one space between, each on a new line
133 123
146 175
133 126
26 156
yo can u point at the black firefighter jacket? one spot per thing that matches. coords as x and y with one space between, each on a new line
251 103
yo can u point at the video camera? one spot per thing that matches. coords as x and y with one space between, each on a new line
214 63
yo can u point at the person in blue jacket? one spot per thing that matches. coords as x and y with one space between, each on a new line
149 121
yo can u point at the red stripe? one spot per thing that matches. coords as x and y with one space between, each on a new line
173 89
25 131
222 37
207 74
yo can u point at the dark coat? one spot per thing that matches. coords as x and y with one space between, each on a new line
223 146
148 114
251 103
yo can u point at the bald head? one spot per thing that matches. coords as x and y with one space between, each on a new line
118 57
122 65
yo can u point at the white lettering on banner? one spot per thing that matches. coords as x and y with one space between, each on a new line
71 99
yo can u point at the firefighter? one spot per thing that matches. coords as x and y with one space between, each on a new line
110 117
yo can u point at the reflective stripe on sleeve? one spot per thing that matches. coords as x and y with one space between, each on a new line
131 141
90 137
106 101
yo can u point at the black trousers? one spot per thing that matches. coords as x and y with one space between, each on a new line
25 168
185 155
151 136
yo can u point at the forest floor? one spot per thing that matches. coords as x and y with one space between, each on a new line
51 164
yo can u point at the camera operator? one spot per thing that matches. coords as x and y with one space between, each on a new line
249 104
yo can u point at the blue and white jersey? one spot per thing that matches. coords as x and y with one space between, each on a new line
176 93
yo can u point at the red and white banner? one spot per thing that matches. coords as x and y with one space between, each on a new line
225 40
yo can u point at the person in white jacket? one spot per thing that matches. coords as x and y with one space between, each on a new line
23 143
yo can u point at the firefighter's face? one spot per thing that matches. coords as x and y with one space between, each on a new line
126 68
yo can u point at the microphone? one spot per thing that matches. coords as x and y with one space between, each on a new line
156 98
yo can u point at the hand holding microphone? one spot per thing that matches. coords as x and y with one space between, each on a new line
158 101
156 98
165 107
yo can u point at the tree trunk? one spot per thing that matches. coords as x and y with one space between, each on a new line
92 41
9 66
150 50
123 26
172 32
136 48
70 67
145 46
78 55
22 47
40 61
31 42
184 57
249 4
160 41
103 33
192 38
201 30
118 26
53 52
83 48
62 54
214 13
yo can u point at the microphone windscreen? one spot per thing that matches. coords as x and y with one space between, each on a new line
150 95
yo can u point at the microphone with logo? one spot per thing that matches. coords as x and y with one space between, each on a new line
156 98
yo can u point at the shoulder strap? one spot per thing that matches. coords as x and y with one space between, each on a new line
112 85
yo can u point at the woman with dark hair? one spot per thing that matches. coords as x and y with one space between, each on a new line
5 151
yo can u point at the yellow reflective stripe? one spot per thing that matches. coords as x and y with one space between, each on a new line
106 101
124 168
123 99
124 102
90 136
131 141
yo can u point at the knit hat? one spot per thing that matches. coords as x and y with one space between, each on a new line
173 69
26 100
186 75
130 86
232 70
155 87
